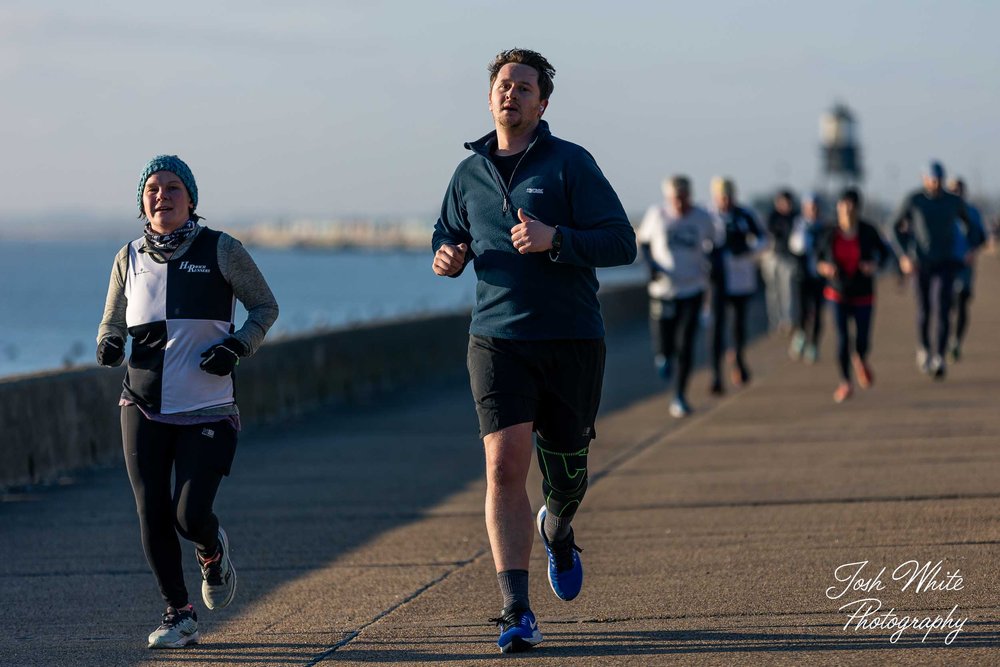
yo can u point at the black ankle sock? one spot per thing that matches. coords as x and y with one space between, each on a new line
513 587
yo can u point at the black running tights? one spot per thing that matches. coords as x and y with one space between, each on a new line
862 316
674 325
739 305
198 456
809 317
935 287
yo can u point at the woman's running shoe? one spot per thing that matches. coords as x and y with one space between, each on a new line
178 629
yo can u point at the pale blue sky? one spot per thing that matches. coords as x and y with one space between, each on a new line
325 108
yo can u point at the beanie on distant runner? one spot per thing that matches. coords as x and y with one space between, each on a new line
175 165
935 170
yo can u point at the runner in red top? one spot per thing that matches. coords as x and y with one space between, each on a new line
850 254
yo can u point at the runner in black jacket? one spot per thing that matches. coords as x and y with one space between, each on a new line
925 232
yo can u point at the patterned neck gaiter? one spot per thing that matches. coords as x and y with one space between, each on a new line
169 242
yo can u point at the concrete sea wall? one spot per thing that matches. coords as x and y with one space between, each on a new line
52 423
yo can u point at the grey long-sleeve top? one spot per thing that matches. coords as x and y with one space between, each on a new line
238 268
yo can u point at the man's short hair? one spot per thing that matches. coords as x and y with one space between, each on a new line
530 58
677 183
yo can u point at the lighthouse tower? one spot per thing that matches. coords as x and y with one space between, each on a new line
840 154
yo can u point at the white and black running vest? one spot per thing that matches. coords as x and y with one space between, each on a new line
177 310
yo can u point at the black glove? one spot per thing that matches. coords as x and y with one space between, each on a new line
222 358
110 351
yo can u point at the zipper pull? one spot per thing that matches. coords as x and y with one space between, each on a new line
506 205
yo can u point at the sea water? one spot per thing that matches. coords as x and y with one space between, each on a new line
52 294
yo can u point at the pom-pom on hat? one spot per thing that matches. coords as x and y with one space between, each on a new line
175 165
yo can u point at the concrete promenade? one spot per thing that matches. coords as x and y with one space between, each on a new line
358 533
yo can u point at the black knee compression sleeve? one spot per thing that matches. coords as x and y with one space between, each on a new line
564 475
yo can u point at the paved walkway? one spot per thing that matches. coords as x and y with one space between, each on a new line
358 535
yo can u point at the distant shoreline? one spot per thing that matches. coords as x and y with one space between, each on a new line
407 235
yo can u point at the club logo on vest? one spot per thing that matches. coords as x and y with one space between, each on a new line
535 191
194 268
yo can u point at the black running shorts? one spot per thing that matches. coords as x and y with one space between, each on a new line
556 384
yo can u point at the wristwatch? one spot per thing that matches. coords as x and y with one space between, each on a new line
557 240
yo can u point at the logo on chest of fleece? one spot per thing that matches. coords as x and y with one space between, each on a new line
194 268
535 191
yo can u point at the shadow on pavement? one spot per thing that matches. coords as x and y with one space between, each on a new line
561 645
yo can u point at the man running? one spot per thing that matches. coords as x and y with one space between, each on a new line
675 239
924 233
535 216
966 271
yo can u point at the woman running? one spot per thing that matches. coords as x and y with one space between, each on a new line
734 280
173 290
808 284
850 255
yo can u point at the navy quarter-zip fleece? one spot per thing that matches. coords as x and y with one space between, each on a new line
536 296
924 227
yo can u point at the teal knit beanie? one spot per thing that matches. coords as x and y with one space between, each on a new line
175 165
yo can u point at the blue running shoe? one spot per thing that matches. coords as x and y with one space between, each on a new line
565 568
518 629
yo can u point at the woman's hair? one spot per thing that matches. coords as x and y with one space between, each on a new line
722 185
852 195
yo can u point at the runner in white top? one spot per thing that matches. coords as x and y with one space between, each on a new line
675 238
